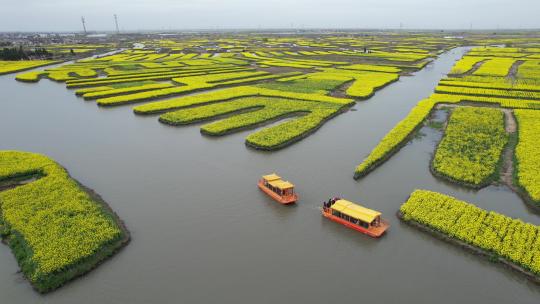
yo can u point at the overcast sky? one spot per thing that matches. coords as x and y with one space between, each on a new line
64 15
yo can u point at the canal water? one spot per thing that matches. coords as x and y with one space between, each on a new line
204 233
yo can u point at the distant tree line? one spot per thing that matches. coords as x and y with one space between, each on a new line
20 54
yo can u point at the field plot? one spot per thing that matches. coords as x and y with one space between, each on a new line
255 81
7 67
466 64
178 119
493 235
73 49
56 228
470 152
493 77
527 153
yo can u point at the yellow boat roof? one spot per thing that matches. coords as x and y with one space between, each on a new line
285 185
356 211
271 177
280 184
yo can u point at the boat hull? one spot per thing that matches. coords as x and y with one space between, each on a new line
291 199
375 232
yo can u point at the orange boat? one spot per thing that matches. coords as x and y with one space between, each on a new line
355 216
278 189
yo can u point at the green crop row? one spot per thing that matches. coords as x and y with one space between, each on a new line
286 133
527 153
398 136
191 84
498 236
252 111
216 110
257 78
393 56
30 76
490 85
260 109
232 93
497 80
391 142
366 84
487 92
218 78
370 67
291 62
130 89
465 64
487 85
158 76
495 67
529 69
119 71
21 65
308 85
502 102
112 87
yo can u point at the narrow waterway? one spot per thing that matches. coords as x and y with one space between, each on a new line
203 232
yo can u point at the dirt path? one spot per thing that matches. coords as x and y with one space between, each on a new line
10 184
512 74
507 170
475 67
510 121
341 91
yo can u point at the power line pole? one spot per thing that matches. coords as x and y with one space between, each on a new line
116 22
83 24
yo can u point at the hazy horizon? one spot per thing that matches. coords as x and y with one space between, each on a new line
134 15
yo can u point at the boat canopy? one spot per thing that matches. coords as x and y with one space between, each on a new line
356 211
281 184
271 177
285 185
